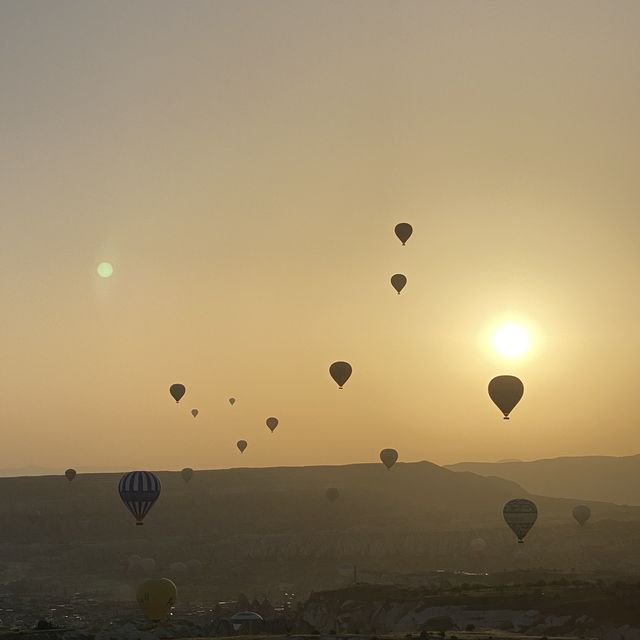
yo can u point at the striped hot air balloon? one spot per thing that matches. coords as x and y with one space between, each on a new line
139 490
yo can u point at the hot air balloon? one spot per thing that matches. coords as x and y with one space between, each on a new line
506 392
582 513
177 391
194 413
232 401
139 491
250 621
389 457
187 474
404 231
520 514
148 565
332 494
478 545
134 563
70 474
242 445
156 597
398 282
272 423
340 372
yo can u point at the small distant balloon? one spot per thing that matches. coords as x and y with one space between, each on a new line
478 545
139 491
187 474
506 392
272 423
332 494
105 269
148 565
398 282
70 474
156 597
520 514
389 457
242 445
177 391
581 513
232 401
340 372
194 413
404 231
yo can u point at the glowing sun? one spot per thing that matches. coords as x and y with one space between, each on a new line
511 340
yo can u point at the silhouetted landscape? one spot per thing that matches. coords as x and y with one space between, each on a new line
270 532
605 478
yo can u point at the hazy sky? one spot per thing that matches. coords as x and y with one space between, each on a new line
243 165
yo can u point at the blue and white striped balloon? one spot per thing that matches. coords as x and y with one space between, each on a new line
139 490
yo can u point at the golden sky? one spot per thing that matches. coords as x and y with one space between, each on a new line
243 164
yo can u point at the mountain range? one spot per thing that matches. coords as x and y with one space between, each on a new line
602 478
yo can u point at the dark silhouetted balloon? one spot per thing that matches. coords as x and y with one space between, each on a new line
506 392
398 282
272 423
232 401
332 494
194 413
187 474
177 391
582 513
520 514
388 457
139 491
340 372
156 597
242 445
70 474
404 231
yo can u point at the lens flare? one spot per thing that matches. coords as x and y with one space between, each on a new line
105 269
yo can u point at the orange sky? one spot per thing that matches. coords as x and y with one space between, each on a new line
243 164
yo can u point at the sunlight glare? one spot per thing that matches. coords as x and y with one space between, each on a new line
511 340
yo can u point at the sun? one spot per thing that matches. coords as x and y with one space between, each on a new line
511 340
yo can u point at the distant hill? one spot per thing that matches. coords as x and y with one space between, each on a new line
258 529
605 478
282 499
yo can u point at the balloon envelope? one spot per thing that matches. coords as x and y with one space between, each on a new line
148 565
232 401
506 392
156 597
242 445
177 391
187 474
478 545
272 423
403 231
388 457
398 282
520 514
70 474
332 494
139 491
194 413
581 513
340 372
